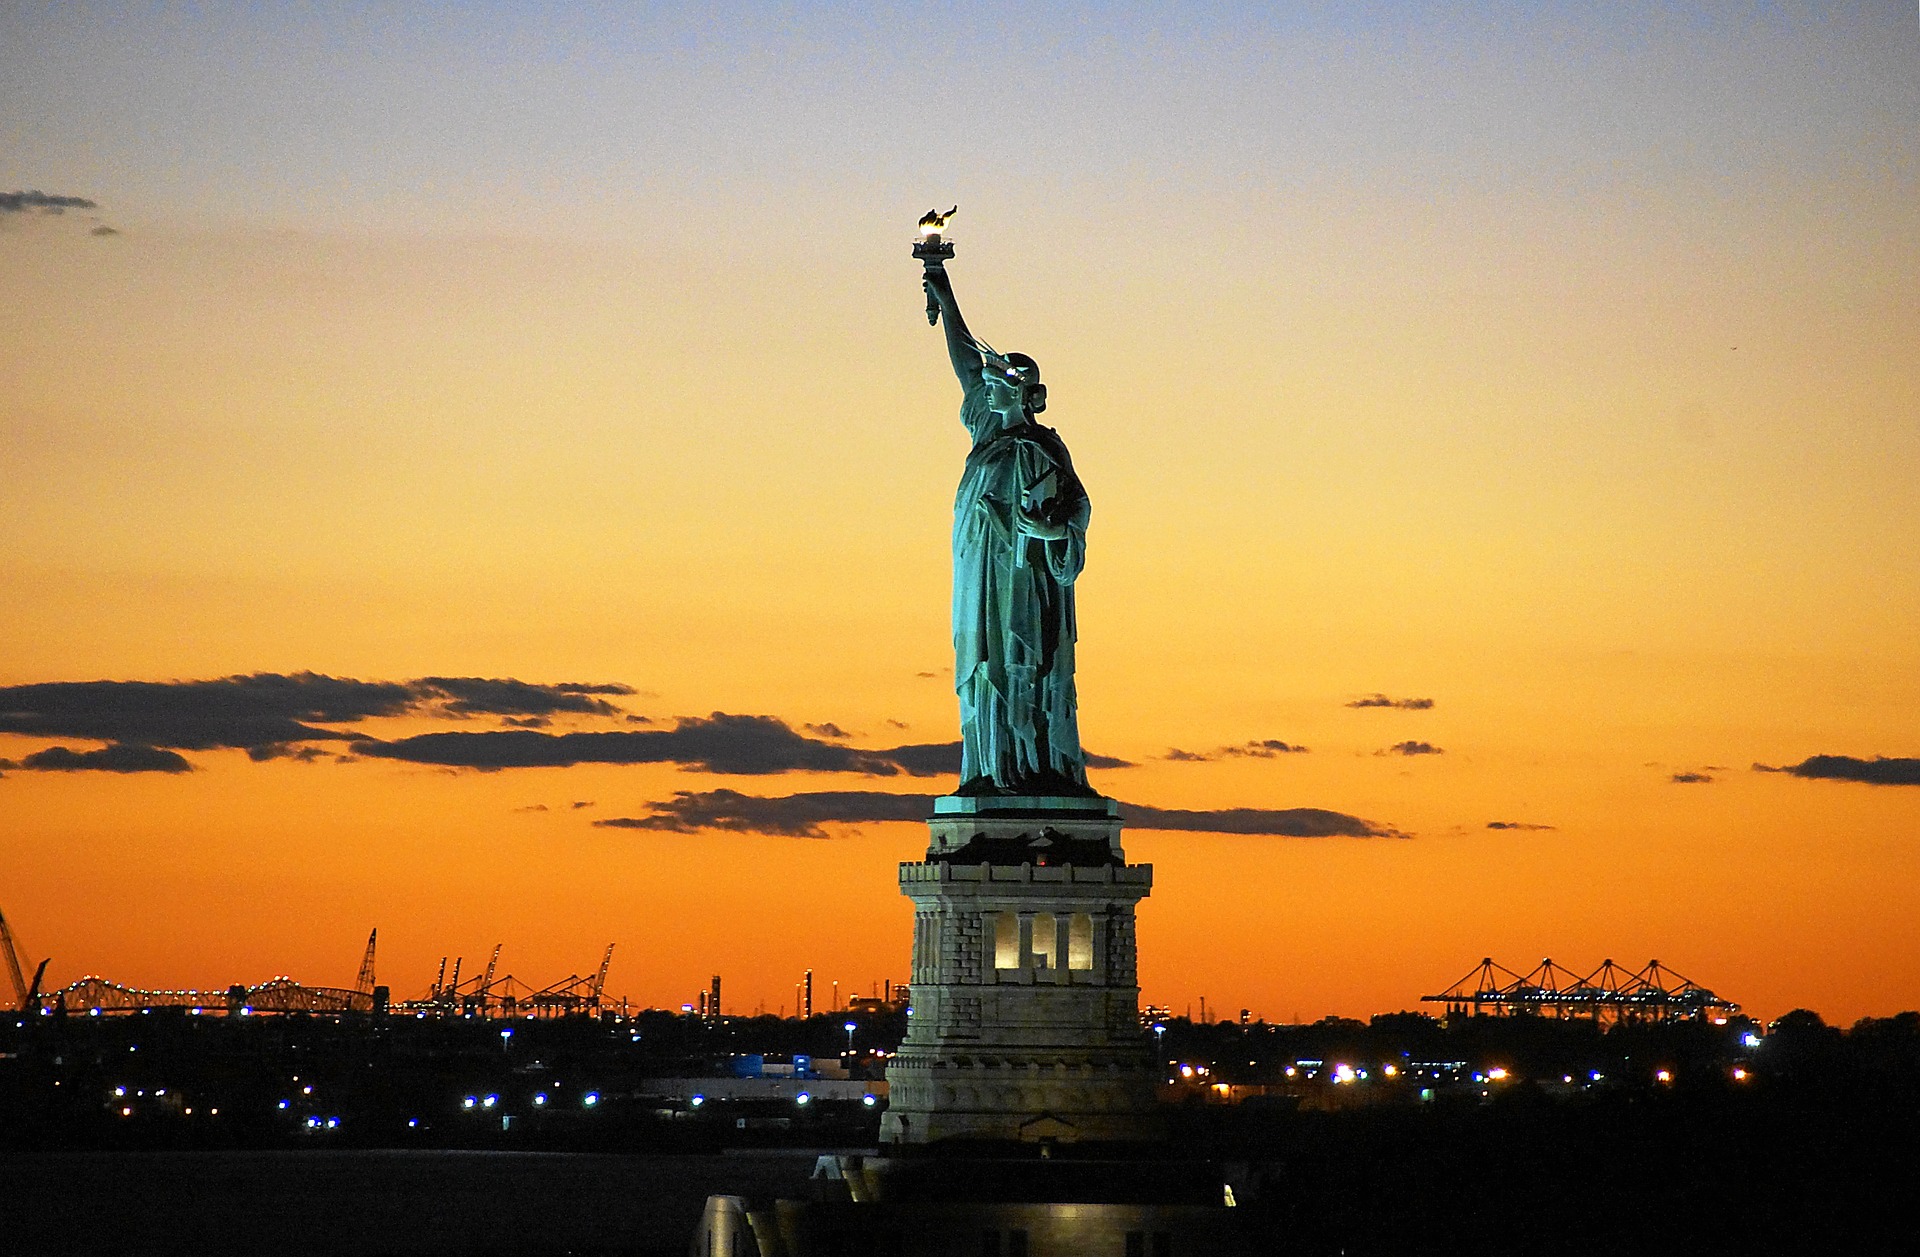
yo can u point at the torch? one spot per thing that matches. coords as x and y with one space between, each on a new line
933 252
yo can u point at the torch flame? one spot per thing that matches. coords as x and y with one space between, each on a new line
935 222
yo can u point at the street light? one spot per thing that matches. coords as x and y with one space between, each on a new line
850 1027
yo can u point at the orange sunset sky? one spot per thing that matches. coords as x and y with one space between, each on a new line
1556 364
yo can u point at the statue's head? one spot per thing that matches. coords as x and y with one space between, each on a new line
1013 382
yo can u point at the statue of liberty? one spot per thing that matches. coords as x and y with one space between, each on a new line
1019 542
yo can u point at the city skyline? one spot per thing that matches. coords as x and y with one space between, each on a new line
487 477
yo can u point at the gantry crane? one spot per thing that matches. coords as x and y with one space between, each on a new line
28 993
487 982
600 979
13 962
364 983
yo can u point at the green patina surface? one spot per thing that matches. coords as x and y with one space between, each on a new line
1019 543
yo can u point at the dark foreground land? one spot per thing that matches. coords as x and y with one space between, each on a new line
1617 1175
1792 1139
368 1203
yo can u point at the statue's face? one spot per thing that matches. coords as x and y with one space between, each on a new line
1005 393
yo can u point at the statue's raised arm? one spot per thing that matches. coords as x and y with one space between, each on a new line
962 349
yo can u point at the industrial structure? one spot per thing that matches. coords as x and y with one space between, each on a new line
1609 994
96 996
24 994
483 995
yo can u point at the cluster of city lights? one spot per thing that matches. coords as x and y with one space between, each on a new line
141 1093
1342 1073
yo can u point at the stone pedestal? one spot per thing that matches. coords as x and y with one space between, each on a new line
1026 1003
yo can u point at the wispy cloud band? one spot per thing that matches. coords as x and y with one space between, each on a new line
806 815
263 711
42 202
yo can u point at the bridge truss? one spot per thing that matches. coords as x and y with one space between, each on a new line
98 996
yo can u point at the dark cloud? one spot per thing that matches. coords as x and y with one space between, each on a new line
1402 704
266 713
261 710
806 815
304 754
501 696
1293 822
1881 770
274 716
580 803
790 815
1691 779
720 743
119 757
932 759
52 205
1519 825
1412 748
532 807
897 724
42 202
1267 748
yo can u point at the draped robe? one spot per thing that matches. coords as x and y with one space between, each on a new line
1013 618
